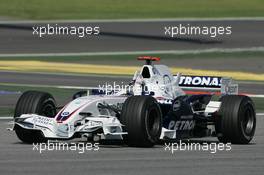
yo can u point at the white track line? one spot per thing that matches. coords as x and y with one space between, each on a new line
5 118
133 20
48 86
176 52
255 95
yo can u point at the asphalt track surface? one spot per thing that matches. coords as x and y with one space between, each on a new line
18 158
129 36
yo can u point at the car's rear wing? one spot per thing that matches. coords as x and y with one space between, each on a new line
220 85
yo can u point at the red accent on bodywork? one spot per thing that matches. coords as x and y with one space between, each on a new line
202 92
149 58
62 119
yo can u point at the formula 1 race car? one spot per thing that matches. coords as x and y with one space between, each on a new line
153 107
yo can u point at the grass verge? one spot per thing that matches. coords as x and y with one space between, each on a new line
114 9
107 59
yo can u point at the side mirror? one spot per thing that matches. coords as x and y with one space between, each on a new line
79 94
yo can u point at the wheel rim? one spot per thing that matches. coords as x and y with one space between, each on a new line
153 122
248 121
48 110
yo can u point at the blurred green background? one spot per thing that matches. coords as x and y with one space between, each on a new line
114 9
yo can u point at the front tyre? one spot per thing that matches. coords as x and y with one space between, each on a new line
142 118
33 102
236 122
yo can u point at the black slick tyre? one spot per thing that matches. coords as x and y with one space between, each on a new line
33 102
142 119
236 122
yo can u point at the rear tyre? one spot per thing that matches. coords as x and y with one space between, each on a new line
236 122
33 102
142 118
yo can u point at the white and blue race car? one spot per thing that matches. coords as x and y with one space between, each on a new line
154 107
